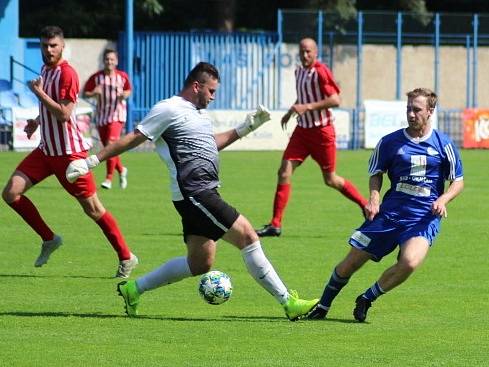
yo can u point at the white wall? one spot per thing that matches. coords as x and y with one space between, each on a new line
85 55
379 70
379 73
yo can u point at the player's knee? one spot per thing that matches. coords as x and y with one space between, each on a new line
8 196
242 233
94 212
92 207
328 180
201 267
332 181
351 263
408 266
5 195
250 239
345 269
283 174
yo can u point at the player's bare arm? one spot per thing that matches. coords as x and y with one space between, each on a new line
61 110
252 122
130 141
439 205
329 102
226 138
123 95
373 206
80 167
287 116
94 92
31 127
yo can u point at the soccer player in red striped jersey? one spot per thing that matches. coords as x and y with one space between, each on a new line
61 142
317 93
111 87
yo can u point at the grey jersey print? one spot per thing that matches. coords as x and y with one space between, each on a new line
184 139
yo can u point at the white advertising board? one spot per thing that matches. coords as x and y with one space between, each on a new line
21 115
384 117
19 138
270 136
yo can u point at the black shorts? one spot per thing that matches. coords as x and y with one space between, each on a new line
206 214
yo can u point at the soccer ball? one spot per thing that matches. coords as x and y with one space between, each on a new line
215 287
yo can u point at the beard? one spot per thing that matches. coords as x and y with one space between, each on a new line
202 102
51 61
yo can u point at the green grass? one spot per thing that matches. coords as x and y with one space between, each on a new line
67 313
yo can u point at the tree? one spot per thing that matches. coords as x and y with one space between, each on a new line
105 19
82 18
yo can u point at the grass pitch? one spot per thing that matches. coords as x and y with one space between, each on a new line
67 313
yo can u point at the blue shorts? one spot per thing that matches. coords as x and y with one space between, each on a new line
381 236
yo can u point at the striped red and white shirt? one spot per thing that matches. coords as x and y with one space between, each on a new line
313 85
109 108
60 137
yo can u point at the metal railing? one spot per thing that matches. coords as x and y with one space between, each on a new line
394 28
246 62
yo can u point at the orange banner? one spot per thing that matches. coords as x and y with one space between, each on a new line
476 128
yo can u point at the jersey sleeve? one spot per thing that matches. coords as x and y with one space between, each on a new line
378 162
156 121
68 85
90 84
453 169
327 82
127 83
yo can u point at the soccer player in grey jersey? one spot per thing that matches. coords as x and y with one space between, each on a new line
182 132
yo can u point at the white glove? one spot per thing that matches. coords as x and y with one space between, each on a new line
80 167
253 121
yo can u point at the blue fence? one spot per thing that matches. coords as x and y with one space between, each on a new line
394 28
246 62
252 74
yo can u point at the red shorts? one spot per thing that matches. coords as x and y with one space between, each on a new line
37 166
110 132
318 142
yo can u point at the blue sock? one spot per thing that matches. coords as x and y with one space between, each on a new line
373 292
334 286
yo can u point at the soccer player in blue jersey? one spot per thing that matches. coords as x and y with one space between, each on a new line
182 132
418 160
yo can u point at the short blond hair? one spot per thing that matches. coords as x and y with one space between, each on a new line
431 97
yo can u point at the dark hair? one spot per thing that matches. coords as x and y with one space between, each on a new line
110 51
52 31
201 73
431 97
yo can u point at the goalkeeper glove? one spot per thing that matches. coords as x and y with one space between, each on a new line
253 121
80 167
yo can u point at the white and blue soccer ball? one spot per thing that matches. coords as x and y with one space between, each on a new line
215 287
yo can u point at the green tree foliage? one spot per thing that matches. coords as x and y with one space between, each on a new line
152 7
105 19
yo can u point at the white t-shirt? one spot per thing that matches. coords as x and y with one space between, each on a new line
184 139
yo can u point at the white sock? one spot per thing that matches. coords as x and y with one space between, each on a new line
172 271
263 272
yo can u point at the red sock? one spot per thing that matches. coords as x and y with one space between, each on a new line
352 193
24 207
111 230
111 162
118 164
280 202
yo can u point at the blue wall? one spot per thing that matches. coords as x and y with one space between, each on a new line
10 43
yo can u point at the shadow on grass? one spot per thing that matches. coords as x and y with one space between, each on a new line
51 276
161 234
59 314
341 321
298 236
145 317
